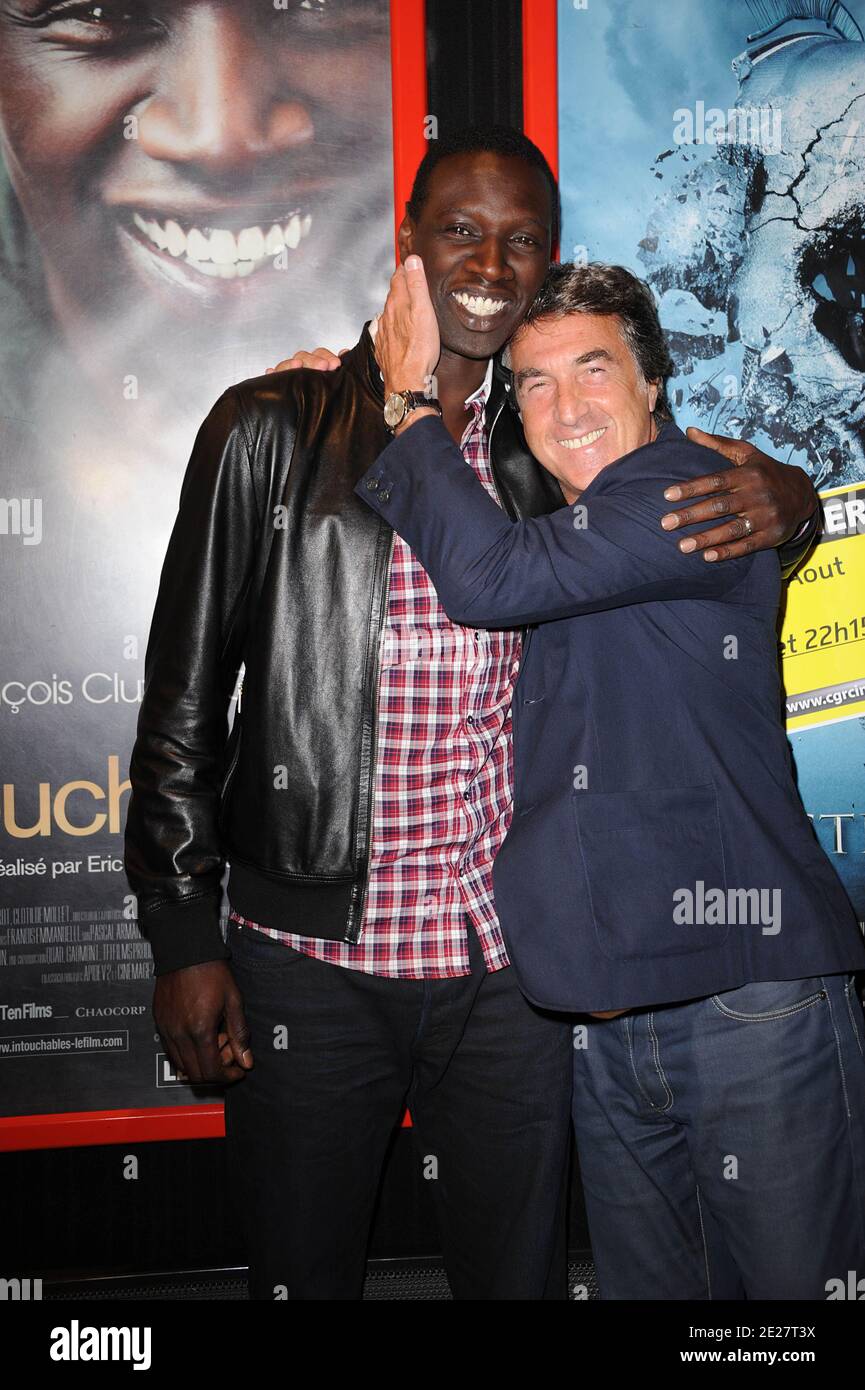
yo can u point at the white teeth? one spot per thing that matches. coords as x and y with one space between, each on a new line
250 244
219 272
175 240
479 306
274 242
223 248
582 440
292 232
198 246
221 254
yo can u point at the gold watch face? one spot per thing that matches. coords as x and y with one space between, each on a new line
394 410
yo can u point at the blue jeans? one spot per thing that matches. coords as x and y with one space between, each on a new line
722 1143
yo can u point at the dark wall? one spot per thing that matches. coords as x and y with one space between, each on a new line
474 62
73 1212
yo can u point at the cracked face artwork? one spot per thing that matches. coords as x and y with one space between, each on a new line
758 256
194 161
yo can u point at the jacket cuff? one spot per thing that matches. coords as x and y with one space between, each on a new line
186 932
794 550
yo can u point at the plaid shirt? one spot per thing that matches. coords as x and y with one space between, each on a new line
442 799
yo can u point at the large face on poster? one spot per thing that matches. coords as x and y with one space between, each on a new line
719 152
189 190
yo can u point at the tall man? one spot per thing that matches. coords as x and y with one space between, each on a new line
365 788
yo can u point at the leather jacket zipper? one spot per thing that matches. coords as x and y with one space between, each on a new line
490 447
526 632
229 775
359 890
235 755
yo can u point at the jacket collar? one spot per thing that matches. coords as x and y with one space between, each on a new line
362 357
361 360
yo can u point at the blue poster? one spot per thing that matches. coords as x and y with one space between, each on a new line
718 151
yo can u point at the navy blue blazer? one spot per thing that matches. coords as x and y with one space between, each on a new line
658 848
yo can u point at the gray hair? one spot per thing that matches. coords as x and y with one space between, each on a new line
598 288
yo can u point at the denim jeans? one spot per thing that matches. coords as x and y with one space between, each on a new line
337 1054
722 1143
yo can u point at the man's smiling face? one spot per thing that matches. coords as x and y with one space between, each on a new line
484 238
581 396
189 154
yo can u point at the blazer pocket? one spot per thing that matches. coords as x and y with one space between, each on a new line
652 860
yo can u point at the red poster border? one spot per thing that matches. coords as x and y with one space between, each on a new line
541 79
158 1123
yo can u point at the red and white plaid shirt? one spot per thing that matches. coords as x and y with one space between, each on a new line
442 800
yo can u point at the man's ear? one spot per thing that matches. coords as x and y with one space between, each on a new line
405 238
654 392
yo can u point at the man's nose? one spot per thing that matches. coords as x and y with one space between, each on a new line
489 260
570 404
217 105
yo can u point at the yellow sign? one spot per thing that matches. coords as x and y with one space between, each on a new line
823 637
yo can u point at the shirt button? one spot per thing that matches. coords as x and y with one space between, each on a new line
372 484
470 719
383 495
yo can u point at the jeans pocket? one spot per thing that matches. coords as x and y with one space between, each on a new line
257 951
854 1009
762 1001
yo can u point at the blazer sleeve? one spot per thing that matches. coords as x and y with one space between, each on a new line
793 551
172 851
491 572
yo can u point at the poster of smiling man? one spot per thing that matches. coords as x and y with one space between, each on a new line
719 152
189 189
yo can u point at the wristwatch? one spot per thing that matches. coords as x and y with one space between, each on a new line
399 404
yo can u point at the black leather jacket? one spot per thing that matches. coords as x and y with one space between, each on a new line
281 568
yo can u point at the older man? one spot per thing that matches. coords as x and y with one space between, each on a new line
659 871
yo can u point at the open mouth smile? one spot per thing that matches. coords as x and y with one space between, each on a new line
480 306
219 252
582 440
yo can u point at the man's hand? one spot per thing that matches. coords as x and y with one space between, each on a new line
188 1006
320 360
773 497
407 343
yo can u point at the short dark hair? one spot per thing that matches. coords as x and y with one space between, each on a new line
598 288
477 139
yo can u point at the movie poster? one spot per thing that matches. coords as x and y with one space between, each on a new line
188 193
719 152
